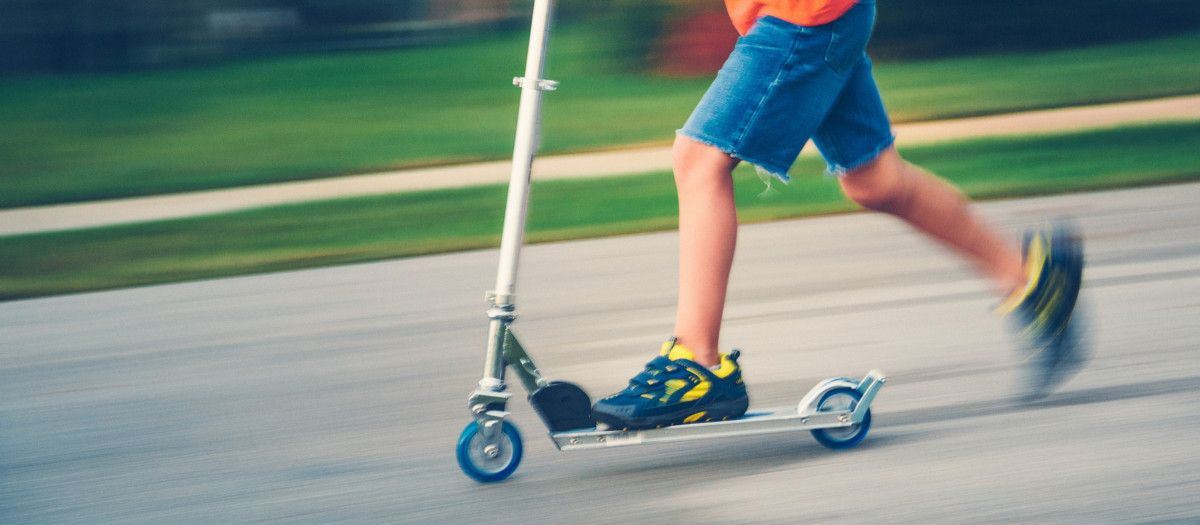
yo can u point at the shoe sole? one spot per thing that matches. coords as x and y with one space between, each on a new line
1065 356
715 411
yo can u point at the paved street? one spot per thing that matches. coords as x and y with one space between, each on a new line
337 395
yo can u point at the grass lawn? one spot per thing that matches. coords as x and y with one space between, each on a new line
79 138
365 229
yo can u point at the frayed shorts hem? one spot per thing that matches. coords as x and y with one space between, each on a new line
762 167
841 170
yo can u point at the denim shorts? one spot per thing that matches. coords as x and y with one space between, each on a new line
785 84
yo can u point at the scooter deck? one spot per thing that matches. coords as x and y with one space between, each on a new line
785 419
768 421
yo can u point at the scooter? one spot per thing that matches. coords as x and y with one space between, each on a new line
836 411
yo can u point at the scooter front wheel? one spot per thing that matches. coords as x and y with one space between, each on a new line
839 399
485 461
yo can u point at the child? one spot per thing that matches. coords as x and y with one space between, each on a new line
798 72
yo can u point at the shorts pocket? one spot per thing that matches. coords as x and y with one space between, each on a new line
848 37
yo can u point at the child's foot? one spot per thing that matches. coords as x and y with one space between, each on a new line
674 389
1044 313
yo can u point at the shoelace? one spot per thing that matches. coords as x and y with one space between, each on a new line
654 377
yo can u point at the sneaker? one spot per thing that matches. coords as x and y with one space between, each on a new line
673 390
1044 314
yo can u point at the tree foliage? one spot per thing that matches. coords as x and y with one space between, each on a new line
89 35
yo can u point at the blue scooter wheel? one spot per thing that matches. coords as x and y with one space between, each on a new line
839 399
489 462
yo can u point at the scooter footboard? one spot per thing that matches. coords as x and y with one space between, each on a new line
805 416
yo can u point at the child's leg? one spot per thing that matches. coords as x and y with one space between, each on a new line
1043 286
682 384
707 235
761 108
933 206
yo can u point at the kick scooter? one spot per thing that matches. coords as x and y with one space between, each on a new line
836 411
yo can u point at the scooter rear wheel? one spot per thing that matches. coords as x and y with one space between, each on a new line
489 462
838 399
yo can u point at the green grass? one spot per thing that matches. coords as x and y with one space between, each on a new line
365 229
78 138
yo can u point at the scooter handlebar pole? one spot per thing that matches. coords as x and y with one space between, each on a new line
502 298
527 138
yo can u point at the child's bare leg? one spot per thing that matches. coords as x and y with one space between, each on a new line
891 185
707 236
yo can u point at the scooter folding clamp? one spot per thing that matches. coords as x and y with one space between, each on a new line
485 404
539 84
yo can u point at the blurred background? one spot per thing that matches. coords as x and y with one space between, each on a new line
337 393
58 36
113 99
97 35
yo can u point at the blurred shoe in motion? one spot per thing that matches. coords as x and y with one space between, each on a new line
1044 314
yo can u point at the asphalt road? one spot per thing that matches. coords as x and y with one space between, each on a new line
337 395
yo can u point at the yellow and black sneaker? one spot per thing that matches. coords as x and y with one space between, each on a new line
1044 314
674 389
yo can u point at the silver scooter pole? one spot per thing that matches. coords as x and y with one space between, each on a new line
502 298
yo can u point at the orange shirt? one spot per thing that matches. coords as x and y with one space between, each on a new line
800 12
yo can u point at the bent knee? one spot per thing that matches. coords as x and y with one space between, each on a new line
880 185
871 195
